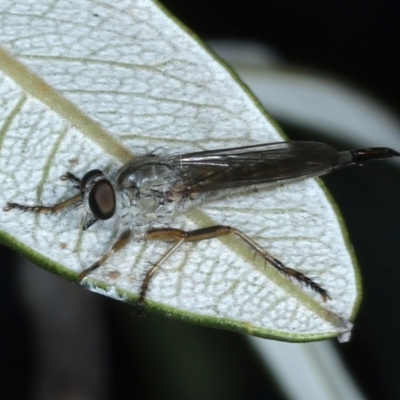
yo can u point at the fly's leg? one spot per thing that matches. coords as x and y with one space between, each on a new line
50 209
170 235
145 284
288 272
121 242
72 178
44 209
180 236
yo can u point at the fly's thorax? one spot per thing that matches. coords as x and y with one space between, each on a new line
146 172
145 184
143 210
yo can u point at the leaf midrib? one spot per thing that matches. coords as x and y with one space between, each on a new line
39 89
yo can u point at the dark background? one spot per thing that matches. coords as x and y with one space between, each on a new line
355 40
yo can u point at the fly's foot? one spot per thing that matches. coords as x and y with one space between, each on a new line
16 206
71 178
139 313
8 207
292 273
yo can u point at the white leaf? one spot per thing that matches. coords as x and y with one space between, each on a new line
90 84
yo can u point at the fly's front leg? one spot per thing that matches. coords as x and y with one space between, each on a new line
121 242
39 209
72 178
44 209
180 236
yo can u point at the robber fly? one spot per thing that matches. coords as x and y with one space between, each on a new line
149 190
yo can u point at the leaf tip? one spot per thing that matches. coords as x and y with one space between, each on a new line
345 331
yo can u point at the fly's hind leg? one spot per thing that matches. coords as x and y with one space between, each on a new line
288 272
180 236
39 209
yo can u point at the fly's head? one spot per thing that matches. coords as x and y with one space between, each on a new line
98 197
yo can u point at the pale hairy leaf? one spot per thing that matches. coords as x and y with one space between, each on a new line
90 84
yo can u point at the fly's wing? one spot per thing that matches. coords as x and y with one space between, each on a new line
206 171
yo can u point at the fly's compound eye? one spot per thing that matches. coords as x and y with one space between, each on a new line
102 199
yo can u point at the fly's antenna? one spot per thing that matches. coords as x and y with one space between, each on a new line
361 156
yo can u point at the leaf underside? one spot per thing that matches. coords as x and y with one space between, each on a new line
90 84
